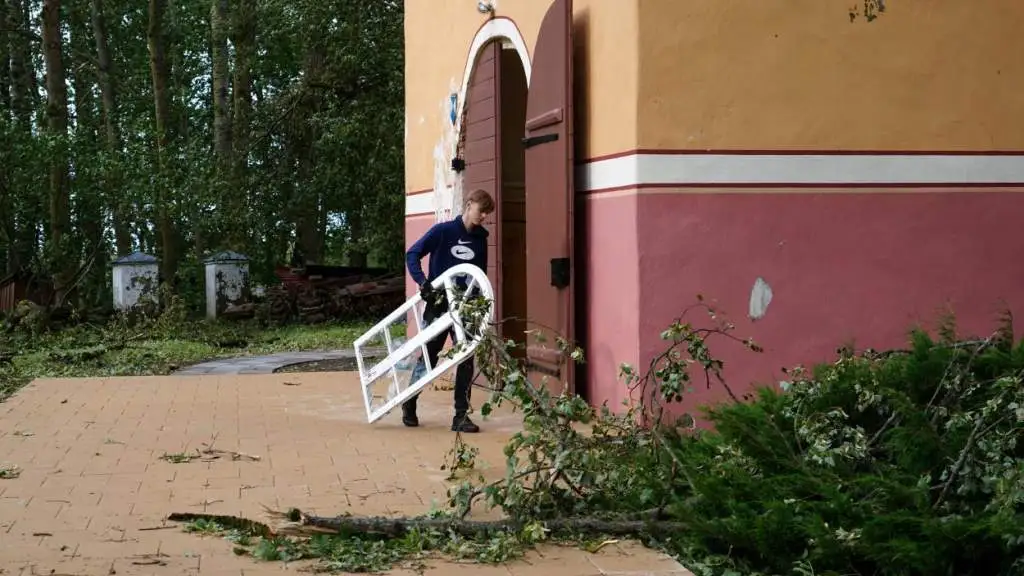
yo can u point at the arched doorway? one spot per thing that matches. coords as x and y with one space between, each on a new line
491 145
516 138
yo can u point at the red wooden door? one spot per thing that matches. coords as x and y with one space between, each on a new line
549 198
481 148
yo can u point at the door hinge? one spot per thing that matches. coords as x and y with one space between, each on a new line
559 272
531 141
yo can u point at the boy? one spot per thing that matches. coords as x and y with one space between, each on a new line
461 239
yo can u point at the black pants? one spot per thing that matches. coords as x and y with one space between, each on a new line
463 374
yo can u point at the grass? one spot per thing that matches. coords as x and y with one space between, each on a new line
155 348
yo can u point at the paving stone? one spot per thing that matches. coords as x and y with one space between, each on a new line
75 512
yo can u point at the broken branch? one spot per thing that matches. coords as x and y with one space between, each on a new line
397 527
383 527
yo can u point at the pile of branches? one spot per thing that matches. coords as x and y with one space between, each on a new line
907 462
903 463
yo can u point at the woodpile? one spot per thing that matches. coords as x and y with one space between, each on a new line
239 311
316 299
278 305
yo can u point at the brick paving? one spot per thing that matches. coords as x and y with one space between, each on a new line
94 490
267 364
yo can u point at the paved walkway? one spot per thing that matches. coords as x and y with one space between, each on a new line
95 488
267 364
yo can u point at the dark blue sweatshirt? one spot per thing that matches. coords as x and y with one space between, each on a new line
447 243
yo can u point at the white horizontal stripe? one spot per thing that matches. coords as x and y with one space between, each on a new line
421 203
775 169
781 169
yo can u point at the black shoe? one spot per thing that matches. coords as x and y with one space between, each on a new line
462 423
409 415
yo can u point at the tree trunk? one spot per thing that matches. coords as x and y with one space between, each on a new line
244 40
307 205
219 28
392 527
61 265
82 77
6 199
23 81
398 527
5 64
91 194
111 130
357 255
23 89
159 71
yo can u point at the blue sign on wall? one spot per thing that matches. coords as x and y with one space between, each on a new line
453 104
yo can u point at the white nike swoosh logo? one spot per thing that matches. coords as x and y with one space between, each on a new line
466 242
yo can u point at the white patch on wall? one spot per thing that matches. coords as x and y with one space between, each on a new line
447 182
760 298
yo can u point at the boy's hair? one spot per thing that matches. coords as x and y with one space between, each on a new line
481 197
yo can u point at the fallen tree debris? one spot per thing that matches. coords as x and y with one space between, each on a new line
150 559
397 527
208 454
150 528
235 522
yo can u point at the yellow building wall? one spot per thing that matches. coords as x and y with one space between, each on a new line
941 75
438 35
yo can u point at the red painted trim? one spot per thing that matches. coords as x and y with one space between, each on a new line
418 192
805 185
792 152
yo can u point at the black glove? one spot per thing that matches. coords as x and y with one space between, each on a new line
436 300
427 292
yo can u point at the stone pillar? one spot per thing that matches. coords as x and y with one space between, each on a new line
135 280
227 281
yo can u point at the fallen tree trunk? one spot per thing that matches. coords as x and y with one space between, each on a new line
242 524
397 527
384 527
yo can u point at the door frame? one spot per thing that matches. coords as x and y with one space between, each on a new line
504 29
499 28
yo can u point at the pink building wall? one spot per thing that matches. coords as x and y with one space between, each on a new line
608 311
845 265
415 226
